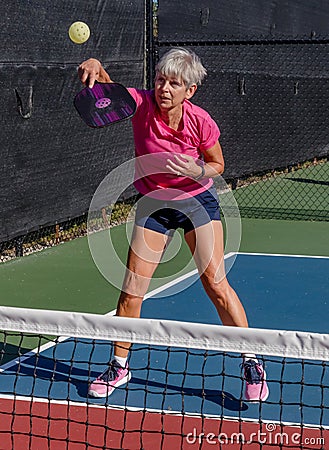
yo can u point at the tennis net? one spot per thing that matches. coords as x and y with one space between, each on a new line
186 390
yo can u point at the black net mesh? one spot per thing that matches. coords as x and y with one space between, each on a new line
177 396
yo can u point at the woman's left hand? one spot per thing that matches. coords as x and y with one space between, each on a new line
184 166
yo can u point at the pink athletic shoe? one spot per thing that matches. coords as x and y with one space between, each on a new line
256 388
110 379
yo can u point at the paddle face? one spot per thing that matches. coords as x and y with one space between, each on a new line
104 104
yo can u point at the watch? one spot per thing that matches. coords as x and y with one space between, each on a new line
201 174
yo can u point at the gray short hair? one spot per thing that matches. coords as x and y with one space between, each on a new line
184 64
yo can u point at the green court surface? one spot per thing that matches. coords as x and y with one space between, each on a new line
66 278
301 194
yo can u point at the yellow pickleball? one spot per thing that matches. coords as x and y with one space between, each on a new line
79 32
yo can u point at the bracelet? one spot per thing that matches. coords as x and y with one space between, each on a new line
201 174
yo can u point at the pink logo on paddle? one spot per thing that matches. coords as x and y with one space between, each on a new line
103 103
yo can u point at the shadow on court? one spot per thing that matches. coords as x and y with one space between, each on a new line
216 396
308 180
46 370
9 352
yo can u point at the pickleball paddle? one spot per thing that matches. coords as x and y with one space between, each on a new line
104 104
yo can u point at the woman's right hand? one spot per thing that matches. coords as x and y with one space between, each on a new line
90 71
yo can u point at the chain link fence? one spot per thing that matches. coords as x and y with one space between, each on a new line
267 88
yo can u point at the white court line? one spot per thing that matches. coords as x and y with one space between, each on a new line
150 294
176 413
172 283
287 255
84 405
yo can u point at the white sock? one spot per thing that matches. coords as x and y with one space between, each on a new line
247 356
120 360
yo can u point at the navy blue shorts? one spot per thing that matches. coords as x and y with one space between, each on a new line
188 214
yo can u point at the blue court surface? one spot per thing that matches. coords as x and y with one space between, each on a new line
278 292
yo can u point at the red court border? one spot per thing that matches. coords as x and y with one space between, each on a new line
46 425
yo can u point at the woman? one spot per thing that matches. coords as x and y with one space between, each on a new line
181 140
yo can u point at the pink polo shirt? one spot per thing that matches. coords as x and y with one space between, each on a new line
155 143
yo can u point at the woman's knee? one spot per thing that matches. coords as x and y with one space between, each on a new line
129 305
216 286
215 278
